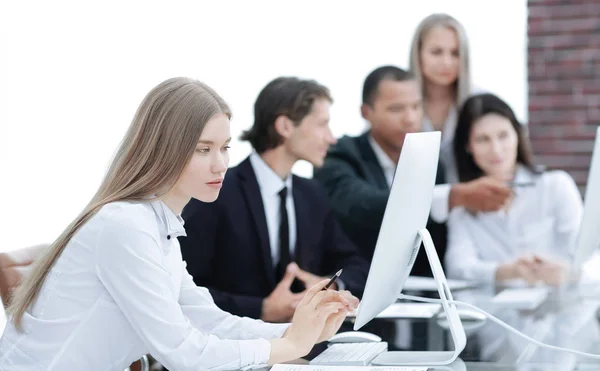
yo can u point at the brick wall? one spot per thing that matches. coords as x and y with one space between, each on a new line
564 82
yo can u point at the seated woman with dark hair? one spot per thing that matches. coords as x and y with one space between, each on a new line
533 236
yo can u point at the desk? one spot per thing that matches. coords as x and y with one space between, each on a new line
558 321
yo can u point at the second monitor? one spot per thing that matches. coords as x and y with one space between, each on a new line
402 231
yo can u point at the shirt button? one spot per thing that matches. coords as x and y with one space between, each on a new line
168 237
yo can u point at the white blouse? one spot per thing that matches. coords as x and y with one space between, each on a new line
543 218
121 290
446 145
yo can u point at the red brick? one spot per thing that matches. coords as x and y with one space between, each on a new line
585 55
576 146
580 176
592 100
545 26
583 8
545 117
575 162
591 87
543 87
560 2
545 145
545 132
564 82
556 101
593 116
567 86
560 134
561 72
566 40
562 146
586 58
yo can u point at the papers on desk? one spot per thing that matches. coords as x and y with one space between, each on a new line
287 367
416 283
407 310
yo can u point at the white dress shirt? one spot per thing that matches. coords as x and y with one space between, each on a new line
441 192
542 219
387 165
270 184
120 290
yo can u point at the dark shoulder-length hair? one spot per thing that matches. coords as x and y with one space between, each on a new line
472 110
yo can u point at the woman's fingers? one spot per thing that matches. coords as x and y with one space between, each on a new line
351 299
311 292
344 297
328 309
323 297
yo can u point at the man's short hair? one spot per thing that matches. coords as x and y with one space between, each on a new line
371 85
287 96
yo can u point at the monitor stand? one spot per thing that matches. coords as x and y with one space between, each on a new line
431 358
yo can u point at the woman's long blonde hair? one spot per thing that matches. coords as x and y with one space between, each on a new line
463 84
158 145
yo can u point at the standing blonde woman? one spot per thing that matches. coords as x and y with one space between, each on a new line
439 58
113 286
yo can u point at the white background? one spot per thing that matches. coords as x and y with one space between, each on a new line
72 75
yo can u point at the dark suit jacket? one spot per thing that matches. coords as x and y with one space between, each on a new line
358 192
227 247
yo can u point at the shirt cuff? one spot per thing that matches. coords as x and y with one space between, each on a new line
440 203
254 353
485 271
279 329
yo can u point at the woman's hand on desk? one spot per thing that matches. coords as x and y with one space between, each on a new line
317 318
551 272
533 269
523 268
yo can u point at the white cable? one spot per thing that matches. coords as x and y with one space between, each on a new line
501 323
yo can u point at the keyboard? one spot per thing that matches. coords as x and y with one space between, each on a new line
350 354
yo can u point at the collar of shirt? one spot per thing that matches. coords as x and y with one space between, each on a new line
386 163
523 175
171 225
269 182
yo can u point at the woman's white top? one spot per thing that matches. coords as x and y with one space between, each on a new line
446 150
448 129
543 219
120 290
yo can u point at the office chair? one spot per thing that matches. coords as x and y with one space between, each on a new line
14 265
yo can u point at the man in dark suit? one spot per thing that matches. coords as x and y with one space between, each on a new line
271 234
358 171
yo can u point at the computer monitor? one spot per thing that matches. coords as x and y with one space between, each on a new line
589 230
402 231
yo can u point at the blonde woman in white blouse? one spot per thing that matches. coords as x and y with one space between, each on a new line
439 58
533 237
113 286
